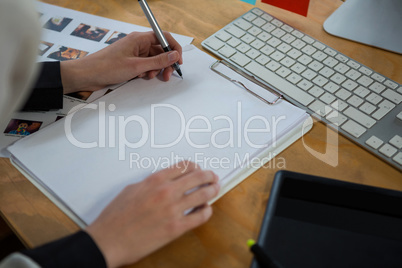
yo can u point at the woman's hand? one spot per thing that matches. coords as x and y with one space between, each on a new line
137 54
148 215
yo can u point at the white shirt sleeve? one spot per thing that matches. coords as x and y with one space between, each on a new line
18 260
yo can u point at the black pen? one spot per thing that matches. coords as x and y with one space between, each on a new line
158 32
261 255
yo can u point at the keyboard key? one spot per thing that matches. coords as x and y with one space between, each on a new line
267 17
259 22
294 53
353 74
341 58
368 108
398 158
365 81
330 51
288 38
392 96
319 45
285 86
294 78
262 59
396 141
336 118
227 51
342 68
399 115
330 62
254 31
304 59
391 84
350 85
214 43
298 34
287 28
374 98
223 36
299 44
353 64
384 108
243 24
320 80
252 53
277 56
283 72
327 98
234 30
298 68
315 91
365 70
388 150
249 16
374 142
326 72
339 105
267 50
305 85
257 44
343 94
240 59
377 87
274 41
361 91
284 47
360 117
268 27
309 50
320 108
258 12
287 62
355 101
353 128
264 36
319 55
277 23
378 77
331 87
316 66
243 48
278 32
308 39
234 42
338 78
247 38
273 65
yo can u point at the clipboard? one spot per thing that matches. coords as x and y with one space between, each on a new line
312 221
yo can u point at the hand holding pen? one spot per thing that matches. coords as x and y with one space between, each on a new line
158 32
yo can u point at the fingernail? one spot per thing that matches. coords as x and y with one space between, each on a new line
172 56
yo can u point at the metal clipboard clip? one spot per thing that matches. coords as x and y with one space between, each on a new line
248 77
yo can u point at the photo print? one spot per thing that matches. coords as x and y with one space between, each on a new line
90 32
67 53
114 37
22 127
44 47
57 23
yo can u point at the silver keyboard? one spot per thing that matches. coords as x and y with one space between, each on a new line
362 104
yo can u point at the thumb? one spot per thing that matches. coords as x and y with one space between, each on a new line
160 61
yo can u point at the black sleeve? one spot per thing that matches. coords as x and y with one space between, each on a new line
47 93
77 250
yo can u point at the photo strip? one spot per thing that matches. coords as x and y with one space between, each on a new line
90 32
67 53
22 127
114 37
57 23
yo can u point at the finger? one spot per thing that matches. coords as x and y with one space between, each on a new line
158 62
198 217
174 45
167 73
175 171
196 178
200 196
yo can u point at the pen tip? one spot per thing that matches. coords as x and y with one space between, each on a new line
250 243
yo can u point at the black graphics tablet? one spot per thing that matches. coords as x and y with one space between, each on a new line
317 222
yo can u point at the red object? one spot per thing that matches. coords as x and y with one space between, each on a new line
296 6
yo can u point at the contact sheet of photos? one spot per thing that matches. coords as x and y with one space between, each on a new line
68 35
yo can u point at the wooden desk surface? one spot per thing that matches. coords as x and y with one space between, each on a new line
221 242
